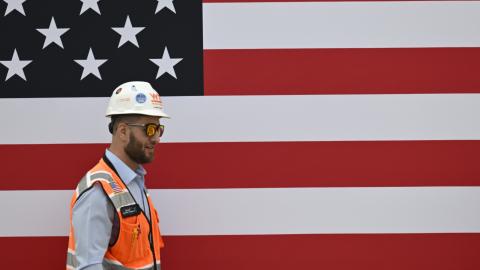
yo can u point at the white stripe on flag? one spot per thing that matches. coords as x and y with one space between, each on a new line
341 24
255 118
270 211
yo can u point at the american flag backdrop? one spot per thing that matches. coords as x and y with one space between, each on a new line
304 134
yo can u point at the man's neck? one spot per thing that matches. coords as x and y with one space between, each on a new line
120 153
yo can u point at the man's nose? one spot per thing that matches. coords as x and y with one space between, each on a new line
155 138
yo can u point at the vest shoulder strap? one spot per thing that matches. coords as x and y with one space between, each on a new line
116 192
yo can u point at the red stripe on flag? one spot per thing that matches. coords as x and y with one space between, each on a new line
335 252
39 253
342 71
258 164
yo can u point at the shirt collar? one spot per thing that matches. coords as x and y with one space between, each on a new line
125 173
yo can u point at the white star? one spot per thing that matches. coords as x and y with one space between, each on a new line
15 66
166 64
128 33
90 4
91 65
165 4
14 5
53 34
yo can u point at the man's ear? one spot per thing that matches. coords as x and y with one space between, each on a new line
122 131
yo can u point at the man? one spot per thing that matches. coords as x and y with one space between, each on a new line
113 223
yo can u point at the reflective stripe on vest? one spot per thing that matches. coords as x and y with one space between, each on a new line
86 181
119 200
107 264
113 265
122 199
89 179
71 260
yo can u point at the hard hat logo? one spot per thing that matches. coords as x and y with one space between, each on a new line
141 98
156 99
135 98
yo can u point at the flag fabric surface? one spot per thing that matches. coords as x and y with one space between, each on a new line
304 134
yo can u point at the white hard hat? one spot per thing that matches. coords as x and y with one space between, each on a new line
135 98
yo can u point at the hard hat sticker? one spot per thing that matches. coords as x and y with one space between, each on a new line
155 99
140 98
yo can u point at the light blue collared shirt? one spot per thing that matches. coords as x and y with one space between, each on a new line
92 216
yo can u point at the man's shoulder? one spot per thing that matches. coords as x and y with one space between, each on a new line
94 193
90 176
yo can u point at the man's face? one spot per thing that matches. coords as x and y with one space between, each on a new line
140 147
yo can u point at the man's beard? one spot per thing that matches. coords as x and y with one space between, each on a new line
135 151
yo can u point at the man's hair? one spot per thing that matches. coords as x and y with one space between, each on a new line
121 118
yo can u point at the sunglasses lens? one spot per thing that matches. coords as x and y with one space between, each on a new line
151 129
162 128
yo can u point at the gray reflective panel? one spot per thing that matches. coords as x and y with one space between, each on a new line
82 185
110 266
102 175
122 199
72 260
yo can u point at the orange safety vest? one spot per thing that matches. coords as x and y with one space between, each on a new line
139 240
